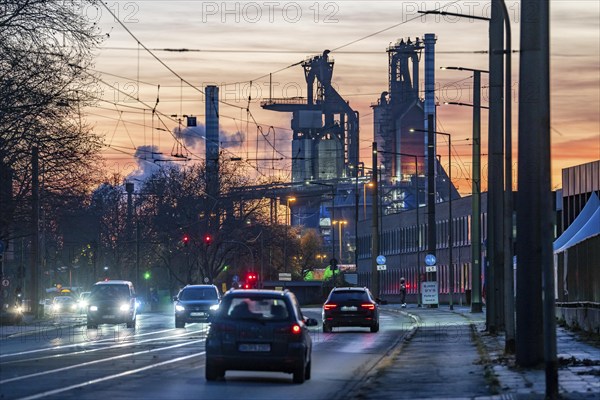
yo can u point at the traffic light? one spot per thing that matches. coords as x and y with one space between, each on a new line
185 239
251 280
147 275
207 239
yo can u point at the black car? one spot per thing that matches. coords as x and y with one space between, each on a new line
351 306
259 330
112 302
195 303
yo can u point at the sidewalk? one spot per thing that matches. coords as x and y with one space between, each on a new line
450 356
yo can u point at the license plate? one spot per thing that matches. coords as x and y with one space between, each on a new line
197 314
348 308
108 316
255 347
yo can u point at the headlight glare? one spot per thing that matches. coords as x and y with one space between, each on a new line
124 307
93 308
214 307
179 307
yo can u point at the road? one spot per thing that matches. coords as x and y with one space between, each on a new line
157 361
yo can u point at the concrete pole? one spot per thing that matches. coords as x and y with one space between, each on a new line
476 303
375 227
431 233
531 171
495 247
509 293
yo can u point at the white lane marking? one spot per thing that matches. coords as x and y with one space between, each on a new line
53 371
21 353
109 377
130 344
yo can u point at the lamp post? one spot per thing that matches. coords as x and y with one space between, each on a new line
476 301
287 224
450 233
340 225
500 209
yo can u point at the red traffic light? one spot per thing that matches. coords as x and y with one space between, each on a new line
207 239
251 280
185 239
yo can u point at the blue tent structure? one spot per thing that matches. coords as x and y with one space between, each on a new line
585 226
576 255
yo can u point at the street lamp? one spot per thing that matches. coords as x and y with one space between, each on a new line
288 221
500 209
476 302
340 224
369 184
450 235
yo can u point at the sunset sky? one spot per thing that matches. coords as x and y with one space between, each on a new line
234 43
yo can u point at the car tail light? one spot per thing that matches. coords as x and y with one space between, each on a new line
368 306
329 306
296 329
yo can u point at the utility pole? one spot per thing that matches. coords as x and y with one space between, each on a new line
375 227
495 246
35 229
431 231
536 324
509 294
476 303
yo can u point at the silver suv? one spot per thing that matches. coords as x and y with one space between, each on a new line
112 302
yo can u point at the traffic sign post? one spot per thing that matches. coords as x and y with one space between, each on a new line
381 263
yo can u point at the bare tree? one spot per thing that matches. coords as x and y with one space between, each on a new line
45 48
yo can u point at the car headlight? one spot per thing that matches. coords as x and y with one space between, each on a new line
56 307
93 308
179 308
214 307
124 307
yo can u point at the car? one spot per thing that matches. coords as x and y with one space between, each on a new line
83 301
112 302
63 304
351 306
259 330
194 303
10 313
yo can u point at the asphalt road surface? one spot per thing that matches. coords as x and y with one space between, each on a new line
65 360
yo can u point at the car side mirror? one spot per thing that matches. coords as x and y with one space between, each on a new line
311 322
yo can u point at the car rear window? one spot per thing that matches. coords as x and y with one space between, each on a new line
348 295
198 294
264 309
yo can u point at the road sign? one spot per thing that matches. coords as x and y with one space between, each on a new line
235 278
430 259
381 260
5 282
430 268
429 291
381 267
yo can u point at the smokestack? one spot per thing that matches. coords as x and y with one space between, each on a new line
212 139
